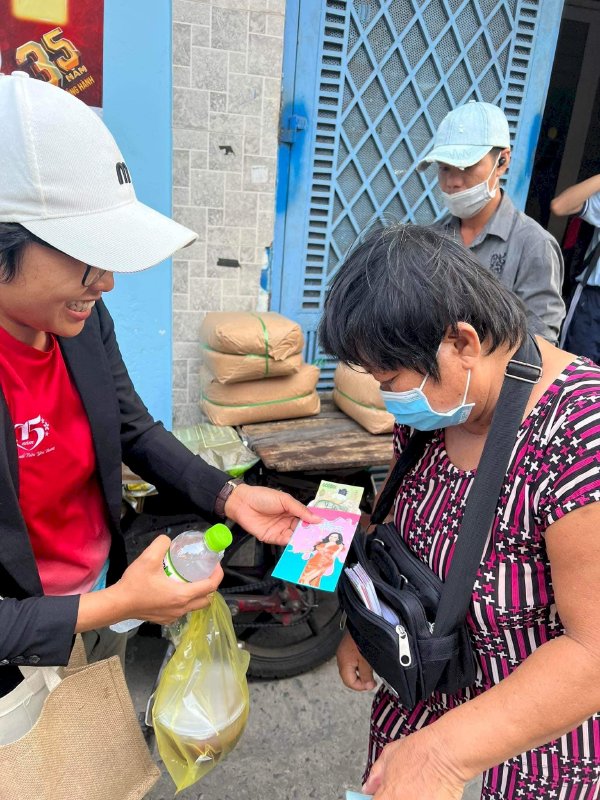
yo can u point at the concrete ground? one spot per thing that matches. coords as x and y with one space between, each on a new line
306 737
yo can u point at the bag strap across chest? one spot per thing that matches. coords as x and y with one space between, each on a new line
522 372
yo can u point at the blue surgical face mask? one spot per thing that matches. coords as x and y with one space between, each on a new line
412 408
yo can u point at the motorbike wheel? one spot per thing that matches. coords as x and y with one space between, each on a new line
280 645
283 654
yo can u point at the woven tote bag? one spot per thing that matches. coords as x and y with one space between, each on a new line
86 743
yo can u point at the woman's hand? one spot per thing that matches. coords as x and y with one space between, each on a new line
355 672
269 515
414 768
145 592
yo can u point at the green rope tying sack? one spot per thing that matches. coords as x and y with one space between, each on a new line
257 405
357 402
264 355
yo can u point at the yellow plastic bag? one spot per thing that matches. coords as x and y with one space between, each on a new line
201 704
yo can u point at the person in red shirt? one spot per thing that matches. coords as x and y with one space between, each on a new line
69 414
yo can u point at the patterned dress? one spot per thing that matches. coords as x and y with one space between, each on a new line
554 469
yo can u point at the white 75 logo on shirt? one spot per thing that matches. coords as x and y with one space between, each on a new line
31 433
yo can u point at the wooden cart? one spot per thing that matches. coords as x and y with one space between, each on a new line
327 442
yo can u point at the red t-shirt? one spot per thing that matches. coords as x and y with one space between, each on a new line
59 493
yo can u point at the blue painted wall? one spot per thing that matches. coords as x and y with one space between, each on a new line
538 81
137 109
294 161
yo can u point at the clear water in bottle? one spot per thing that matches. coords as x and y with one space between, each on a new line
192 556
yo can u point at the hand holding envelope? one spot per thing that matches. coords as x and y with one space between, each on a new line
316 552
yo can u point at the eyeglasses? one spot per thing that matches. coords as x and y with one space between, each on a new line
92 275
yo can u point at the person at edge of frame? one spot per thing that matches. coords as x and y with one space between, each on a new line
583 333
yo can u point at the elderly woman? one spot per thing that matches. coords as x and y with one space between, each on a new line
433 327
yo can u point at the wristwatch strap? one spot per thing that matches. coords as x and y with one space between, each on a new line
223 495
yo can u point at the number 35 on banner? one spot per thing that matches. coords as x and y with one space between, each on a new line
57 41
54 45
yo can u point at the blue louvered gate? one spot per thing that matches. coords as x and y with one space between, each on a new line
365 85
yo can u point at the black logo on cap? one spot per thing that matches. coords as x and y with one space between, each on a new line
122 172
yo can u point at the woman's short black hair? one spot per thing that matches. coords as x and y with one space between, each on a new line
13 240
401 288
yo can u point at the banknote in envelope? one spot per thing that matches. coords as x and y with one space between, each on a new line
315 554
340 496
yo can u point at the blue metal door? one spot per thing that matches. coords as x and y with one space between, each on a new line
365 85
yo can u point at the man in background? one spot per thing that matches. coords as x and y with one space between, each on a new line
472 152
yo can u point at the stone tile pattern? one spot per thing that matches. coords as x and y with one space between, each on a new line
226 92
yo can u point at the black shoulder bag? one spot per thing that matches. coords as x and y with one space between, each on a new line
426 646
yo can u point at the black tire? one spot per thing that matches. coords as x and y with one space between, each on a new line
277 657
278 649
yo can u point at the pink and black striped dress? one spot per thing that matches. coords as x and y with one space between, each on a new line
554 469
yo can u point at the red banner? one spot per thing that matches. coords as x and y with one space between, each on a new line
59 41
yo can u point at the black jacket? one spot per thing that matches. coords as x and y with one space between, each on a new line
35 629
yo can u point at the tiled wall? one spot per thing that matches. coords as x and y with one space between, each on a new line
226 90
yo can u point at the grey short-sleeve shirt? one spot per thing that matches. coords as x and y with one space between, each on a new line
526 259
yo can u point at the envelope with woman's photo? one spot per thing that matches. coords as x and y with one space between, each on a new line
316 552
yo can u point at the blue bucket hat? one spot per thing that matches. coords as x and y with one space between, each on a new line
467 134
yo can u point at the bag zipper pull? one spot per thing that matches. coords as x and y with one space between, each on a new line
403 646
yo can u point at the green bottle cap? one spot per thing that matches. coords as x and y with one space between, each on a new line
218 537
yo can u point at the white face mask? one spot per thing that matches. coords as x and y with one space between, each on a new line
469 202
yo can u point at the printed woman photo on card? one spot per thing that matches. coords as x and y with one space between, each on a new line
321 560
316 552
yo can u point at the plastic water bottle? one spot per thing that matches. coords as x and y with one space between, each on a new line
192 556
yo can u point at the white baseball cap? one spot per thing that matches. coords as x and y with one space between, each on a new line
63 178
467 134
